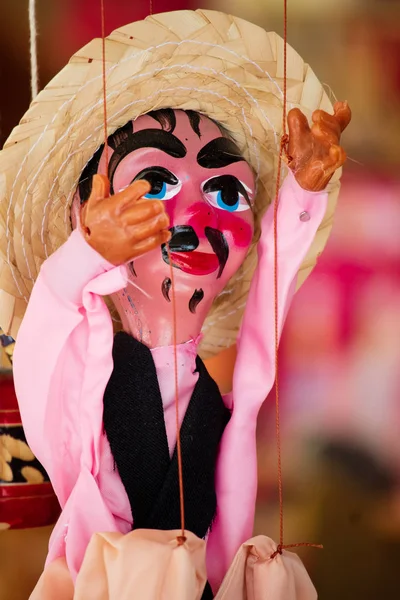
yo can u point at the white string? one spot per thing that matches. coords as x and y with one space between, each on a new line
33 49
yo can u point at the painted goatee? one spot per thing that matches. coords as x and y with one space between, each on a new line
165 288
196 298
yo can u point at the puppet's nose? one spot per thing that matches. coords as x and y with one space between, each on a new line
183 239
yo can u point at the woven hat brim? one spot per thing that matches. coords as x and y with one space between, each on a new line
219 65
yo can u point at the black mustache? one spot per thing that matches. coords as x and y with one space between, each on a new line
220 246
185 239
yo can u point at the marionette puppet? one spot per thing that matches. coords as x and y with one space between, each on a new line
163 235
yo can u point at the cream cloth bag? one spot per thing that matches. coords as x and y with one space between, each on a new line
254 575
151 565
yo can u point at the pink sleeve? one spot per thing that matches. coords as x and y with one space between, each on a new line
62 363
255 369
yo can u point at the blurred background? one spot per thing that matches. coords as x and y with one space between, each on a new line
340 381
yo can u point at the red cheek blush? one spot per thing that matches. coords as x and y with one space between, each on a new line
241 231
233 226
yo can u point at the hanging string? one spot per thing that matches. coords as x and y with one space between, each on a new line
282 151
182 538
33 49
276 293
103 55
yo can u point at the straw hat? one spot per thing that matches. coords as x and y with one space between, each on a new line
201 60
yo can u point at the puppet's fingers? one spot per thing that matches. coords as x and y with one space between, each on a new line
148 229
325 138
342 114
318 173
100 189
130 195
325 168
337 158
326 127
150 243
101 206
300 142
142 211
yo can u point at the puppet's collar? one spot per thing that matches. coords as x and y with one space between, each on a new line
187 348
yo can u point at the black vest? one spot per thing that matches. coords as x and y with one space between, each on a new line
135 428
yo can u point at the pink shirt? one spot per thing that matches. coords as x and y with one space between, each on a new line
63 361
164 360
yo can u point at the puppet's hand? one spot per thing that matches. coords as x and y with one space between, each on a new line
315 153
123 226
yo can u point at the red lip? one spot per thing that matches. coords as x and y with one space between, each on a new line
195 263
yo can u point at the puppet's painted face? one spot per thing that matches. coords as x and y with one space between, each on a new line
208 190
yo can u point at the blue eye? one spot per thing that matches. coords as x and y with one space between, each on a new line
164 184
227 193
230 207
158 195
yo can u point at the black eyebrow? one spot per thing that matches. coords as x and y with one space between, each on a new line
164 174
219 153
146 138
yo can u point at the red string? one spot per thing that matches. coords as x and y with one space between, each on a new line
276 294
282 150
182 537
103 53
281 547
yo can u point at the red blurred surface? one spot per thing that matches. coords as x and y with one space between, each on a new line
340 350
22 505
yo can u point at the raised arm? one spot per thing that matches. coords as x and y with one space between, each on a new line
315 155
51 354
63 355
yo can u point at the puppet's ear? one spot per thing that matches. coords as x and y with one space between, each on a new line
75 210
